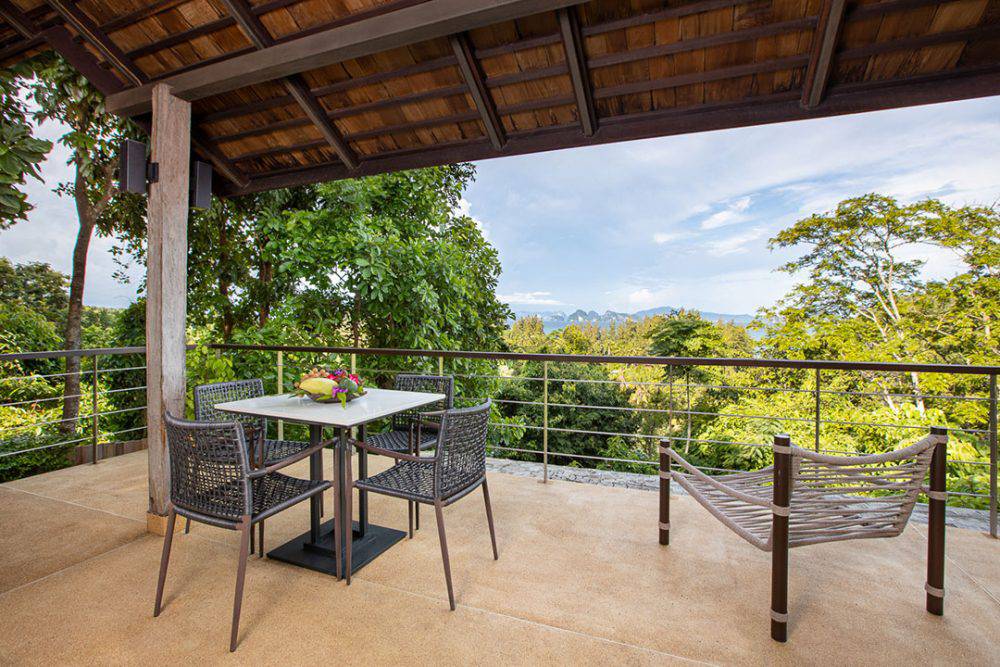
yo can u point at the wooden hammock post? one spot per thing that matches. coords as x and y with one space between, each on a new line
779 537
664 492
935 524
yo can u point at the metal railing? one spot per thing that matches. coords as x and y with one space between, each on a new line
680 387
679 411
92 376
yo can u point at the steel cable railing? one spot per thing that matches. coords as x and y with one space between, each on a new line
679 416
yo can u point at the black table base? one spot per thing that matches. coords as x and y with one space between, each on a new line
320 557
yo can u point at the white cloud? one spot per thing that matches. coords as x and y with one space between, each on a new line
530 299
732 214
737 243
665 237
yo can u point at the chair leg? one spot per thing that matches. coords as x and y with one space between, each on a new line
165 559
409 514
444 552
253 547
416 514
240 575
187 525
260 553
489 519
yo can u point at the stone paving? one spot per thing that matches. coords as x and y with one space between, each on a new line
960 517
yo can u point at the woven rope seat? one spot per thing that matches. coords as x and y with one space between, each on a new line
415 481
832 497
399 441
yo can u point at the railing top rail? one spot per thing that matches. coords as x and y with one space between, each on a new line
638 360
58 354
801 364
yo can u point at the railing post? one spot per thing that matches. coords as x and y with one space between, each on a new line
281 390
545 422
664 493
937 497
440 365
94 417
781 500
687 390
993 455
817 409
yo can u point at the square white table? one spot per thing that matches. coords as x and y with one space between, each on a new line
314 549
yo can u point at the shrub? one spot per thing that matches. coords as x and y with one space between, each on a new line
34 462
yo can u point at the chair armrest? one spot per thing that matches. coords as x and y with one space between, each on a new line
260 472
396 455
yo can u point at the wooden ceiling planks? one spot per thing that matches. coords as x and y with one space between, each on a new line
656 64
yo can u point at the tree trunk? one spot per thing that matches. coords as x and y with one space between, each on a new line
228 321
71 389
266 275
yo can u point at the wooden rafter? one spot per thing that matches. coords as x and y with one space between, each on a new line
17 19
59 39
421 22
475 80
824 43
96 37
576 60
296 86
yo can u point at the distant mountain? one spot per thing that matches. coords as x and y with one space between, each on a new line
557 319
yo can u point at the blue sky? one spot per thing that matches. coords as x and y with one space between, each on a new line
679 221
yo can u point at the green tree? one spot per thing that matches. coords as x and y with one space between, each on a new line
65 96
20 152
35 285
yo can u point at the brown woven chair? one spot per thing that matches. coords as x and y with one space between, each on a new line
403 434
264 451
211 481
457 468
808 498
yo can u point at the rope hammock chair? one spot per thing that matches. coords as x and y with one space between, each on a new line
808 498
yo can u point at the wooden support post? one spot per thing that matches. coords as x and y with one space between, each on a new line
938 494
166 285
779 537
664 492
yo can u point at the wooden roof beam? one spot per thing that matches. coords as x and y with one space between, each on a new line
97 38
824 44
410 25
295 84
576 60
17 20
775 108
60 40
474 78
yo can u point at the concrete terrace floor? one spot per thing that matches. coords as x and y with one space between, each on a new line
580 580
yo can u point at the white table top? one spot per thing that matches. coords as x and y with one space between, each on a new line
376 404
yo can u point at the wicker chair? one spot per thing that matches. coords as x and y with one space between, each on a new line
403 434
266 452
456 469
211 481
808 498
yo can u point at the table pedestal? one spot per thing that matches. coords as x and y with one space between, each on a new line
314 549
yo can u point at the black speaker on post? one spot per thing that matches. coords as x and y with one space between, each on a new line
132 167
201 185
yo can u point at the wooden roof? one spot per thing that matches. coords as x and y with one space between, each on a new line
286 92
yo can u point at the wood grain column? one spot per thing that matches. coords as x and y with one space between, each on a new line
166 287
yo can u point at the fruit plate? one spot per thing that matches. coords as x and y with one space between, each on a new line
323 398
